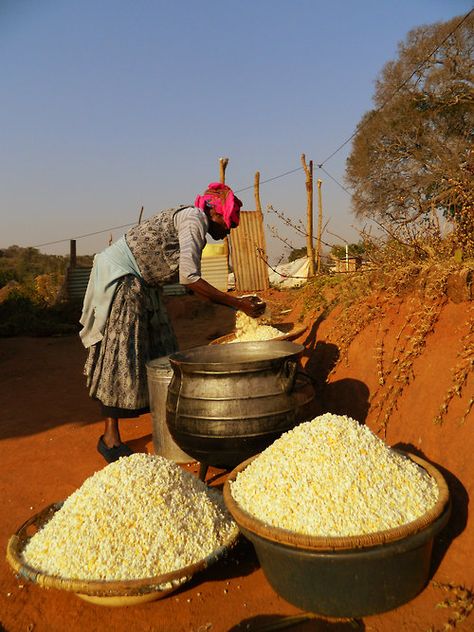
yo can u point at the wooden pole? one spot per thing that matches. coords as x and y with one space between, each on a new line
320 224
223 162
309 212
258 207
72 253
140 216
256 190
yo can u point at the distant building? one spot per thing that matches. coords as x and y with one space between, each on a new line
347 264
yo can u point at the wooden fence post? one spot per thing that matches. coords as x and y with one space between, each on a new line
258 207
72 254
223 162
309 195
320 223
256 191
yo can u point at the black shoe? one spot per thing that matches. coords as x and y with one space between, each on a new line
114 453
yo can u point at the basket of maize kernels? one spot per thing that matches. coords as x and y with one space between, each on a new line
249 329
134 531
342 524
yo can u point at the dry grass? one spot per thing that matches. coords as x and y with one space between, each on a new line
460 372
365 297
459 600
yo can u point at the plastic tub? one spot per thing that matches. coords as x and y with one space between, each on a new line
346 577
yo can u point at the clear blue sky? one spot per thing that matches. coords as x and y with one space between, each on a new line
110 105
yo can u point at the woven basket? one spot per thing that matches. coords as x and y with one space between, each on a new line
289 331
315 543
122 592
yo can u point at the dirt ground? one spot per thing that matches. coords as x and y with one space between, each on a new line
49 430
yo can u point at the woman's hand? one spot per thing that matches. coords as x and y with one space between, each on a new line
252 306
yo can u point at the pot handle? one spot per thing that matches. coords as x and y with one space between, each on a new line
287 375
305 378
176 412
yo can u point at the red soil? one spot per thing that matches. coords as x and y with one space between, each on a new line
49 430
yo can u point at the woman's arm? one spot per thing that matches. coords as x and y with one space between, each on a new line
192 225
253 307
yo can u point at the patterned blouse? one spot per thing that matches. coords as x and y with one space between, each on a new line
168 246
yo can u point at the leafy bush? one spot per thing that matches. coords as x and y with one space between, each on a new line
30 285
21 315
6 276
353 250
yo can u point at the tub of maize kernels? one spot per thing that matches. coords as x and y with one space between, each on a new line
346 576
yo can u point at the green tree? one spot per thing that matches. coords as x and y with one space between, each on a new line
354 250
412 158
24 264
297 253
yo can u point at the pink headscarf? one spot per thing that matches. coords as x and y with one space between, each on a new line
222 199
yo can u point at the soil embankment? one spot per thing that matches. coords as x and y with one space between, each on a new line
402 366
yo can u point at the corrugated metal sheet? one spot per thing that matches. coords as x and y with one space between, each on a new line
174 289
76 283
215 271
78 278
247 249
213 250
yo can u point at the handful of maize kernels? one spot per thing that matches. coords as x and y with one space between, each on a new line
332 477
248 329
139 517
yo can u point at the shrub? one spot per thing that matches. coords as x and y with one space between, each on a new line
21 315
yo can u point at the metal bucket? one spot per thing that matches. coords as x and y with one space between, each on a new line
159 374
228 402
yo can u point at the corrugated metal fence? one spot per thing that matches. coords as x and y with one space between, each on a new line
215 271
247 245
76 283
78 278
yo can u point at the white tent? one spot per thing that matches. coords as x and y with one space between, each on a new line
291 274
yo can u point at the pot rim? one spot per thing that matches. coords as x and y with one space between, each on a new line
310 542
282 350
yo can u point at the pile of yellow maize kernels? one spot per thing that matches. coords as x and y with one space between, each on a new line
248 329
333 477
138 517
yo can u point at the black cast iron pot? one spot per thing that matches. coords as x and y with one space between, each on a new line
226 403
